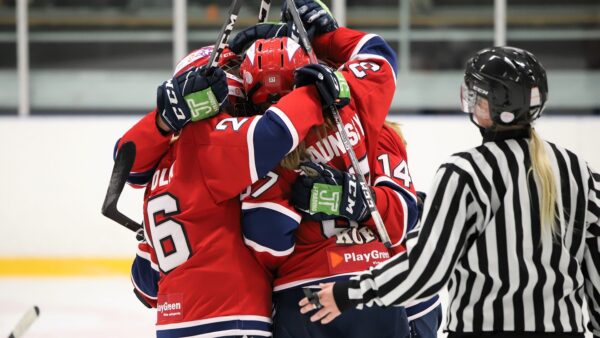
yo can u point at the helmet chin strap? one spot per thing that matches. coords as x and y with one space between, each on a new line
253 91
492 130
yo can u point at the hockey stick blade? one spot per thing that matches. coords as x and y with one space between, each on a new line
381 230
118 177
223 37
25 322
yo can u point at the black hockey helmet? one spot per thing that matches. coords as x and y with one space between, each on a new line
511 79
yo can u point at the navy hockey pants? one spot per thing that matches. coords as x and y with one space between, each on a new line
427 325
374 321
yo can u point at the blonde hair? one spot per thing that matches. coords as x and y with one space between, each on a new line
295 157
540 166
396 127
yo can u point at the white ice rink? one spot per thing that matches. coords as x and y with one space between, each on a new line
89 307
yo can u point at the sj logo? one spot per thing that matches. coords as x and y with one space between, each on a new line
325 198
202 104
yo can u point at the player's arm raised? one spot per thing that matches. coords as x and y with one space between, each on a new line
150 144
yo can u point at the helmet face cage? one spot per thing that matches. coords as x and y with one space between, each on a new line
511 80
268 69
237 104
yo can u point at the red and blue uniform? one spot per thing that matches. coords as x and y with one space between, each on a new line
194 267
302 252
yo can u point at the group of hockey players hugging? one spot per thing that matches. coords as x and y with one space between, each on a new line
250 197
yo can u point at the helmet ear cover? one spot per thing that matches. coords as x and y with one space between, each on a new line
511 80
267 70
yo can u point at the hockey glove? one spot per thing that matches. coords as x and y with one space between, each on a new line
242 40
332 85
191 96
315 16
328 193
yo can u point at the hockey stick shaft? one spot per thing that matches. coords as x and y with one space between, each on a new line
383 234
223 37
263 14
126 154
25 322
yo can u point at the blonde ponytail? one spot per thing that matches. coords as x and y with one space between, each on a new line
396 127
292 160
295 157
540 166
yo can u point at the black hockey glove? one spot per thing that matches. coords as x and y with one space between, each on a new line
191 96
242 40
328 193
332 85
315 16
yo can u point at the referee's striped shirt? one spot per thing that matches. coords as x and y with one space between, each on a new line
481 232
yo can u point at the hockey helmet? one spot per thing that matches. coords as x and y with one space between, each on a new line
229 62
267 70
511 79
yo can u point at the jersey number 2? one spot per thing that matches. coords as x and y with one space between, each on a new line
168 235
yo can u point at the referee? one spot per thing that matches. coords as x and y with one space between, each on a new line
512 224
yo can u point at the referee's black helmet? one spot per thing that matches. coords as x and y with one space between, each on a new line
511 79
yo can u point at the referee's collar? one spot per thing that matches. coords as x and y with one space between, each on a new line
491 135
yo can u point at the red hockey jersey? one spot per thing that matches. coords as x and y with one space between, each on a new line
195 267
313 251
269 221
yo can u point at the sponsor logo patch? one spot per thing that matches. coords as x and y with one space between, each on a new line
344 259
170 307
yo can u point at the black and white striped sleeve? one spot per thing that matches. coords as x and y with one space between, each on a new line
453 213
591 263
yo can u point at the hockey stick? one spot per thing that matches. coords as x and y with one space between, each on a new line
234 10
25 322
120 172
126 155
383 235
265 6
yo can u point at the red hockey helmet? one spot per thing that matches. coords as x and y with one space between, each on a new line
267 71
238 103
